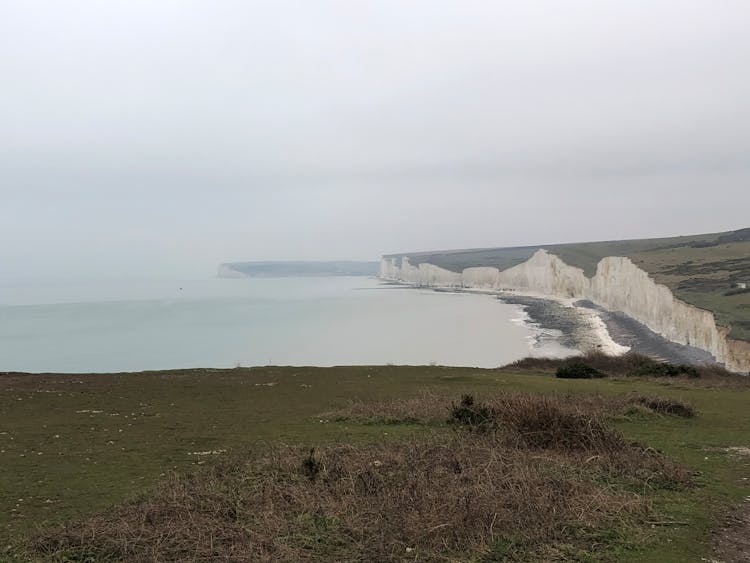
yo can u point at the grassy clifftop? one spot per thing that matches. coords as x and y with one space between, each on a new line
155 466
699 269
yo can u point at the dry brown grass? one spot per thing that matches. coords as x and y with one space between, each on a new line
550 422
665 405
444 498
550 470
424 408
514 410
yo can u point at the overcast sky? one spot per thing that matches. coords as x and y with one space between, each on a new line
166 136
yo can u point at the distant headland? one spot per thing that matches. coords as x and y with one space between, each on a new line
287 269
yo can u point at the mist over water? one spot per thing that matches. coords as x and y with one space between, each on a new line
167 324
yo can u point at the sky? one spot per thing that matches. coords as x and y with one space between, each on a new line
169 136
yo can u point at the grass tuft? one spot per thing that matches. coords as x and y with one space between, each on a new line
665 405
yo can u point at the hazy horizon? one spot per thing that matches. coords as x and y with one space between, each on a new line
166 138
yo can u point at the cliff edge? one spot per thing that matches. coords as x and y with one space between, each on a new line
618 284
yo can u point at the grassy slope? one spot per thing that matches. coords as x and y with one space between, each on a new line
699 276
584 255
150 423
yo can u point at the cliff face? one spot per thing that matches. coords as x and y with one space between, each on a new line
618 285
425 274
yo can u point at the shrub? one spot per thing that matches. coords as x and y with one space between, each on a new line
472 415
658 369
633 364
311 466
577 370
548 423
737 291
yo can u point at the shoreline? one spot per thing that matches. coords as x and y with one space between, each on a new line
641 339
583 327
578 328
617 332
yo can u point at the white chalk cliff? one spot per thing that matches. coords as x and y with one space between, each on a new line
619 285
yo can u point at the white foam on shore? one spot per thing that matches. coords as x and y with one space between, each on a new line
536 332
608 346
605 343
543 342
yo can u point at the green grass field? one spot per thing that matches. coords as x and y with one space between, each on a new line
699 269
73 445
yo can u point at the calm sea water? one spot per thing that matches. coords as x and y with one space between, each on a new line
138 325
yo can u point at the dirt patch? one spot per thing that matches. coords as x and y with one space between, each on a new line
732 538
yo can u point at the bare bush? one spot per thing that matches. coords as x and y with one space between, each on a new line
541 421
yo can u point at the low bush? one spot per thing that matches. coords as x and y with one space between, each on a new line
577 370
538 421
634 365
474 416
737 291
659 369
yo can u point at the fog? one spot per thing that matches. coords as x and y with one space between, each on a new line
166 137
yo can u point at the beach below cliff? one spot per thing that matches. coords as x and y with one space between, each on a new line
629 332
579 329
587 327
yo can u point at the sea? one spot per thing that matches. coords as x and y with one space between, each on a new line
134 325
